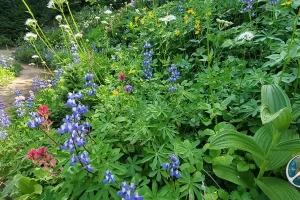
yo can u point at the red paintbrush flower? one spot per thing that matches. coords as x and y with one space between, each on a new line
122 77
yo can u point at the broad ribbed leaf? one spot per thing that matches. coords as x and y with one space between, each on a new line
275 98
276 107
230 173
289 145
281 119
264 137
233 139
277 189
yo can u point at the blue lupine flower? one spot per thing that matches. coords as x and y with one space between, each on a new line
172 166
89 168
132 3
180 6
19 103
4 119
148 53
30 100
174 76
35 121
3 133
38 83
128 192
68 145
249 6
273 2
74 53
89 84
73 160
109 177
128 88
56 77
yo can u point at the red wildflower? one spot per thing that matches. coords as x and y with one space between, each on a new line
44 111
122 77
41 157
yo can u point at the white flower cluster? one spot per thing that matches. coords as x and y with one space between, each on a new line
246 36
31 23
223 23
30 37
167 18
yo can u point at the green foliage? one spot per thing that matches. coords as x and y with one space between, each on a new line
6 77
211 122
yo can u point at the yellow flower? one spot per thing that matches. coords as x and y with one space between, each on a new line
115 93
143 21
186 17
144 9
208 13
287 3
191 11
177 32
131 71
197 32
150 15
136 18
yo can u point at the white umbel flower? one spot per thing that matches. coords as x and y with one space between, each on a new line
167 18
31 64
107 12
51 4
78 35
248 35
104 22
30 36
35 56
97 18
58 18
31 23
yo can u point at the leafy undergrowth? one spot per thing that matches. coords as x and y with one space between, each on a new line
193 100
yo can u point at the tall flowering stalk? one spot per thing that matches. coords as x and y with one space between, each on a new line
172 166
92 87
127 192
148 53
174 76
19 103
77 129
4 122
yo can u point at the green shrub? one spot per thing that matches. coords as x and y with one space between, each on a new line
6 77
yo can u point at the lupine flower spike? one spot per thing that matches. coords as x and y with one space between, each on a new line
127 192
172 166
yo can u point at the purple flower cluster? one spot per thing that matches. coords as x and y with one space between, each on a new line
249 6
128 88
84 159
174 76
180 6
109 177
74 53
38 83
90 84
4 122
36 120
56 77
172 166
132 3
148 53
19 103
30 100
76 130
273 2
128 192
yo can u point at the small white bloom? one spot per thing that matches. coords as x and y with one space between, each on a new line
31 64
167 18
58 18
107 12
137 11
43 63
248 35
35 56
78 35
104 22
97 18
30 36
64 26
31 22
51 4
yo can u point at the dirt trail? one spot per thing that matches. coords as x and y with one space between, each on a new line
23 82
